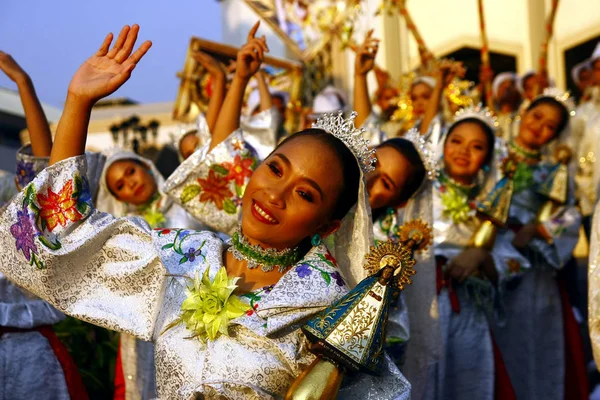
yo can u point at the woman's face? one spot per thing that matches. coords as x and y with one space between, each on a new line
419 96
292 194
188 144
465 152
130 182
386 183
539 126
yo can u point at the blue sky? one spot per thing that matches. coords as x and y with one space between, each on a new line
50 39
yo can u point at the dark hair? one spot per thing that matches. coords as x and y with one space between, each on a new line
564 113
407 149
489 133
350 170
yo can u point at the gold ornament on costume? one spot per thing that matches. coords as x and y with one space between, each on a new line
493 210
350 334
556 186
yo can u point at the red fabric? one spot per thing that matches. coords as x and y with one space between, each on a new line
443 282
576 383
75 384
119 378
503 388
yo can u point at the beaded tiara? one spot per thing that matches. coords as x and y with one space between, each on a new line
345 130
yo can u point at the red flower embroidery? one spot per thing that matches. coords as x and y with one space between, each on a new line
330 258
239 170
214 189
250 312
58 208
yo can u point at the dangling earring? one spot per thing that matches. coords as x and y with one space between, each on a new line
315 240
486 168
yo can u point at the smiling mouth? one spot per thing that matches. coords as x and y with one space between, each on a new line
139 190
263 215
461 162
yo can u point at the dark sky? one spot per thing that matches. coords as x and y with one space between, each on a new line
50 39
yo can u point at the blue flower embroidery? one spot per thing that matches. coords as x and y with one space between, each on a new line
303 271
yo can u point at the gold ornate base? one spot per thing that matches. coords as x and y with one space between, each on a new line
485 236
320 381
545 212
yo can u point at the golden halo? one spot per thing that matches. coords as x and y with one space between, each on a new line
418 232
393 255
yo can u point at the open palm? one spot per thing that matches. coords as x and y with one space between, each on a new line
106 71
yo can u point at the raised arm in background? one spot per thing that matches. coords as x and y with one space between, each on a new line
37 124
365 61
219 82
249 60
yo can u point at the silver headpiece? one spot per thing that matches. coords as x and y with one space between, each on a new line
426 152
562 97
479 112
345 130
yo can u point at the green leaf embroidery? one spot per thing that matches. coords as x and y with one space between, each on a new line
229 207
49 244
168 246
326 276
183 260
239 190
29 195
219 169
189 192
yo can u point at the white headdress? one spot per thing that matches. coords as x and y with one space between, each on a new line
576 70
330 100
427 80
355 236
596 54
201 129
500 79
108 203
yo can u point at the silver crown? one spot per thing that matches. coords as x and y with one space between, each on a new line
345 130
479 112
426 152
562 97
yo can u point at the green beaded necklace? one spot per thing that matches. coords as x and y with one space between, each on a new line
266 259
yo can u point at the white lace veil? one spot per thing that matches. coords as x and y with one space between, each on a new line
108 203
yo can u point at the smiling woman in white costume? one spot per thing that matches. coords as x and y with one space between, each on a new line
121 274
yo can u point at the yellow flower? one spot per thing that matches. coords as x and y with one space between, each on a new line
210 306
456 205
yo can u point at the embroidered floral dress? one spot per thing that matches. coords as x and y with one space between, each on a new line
466 366
120 274
29 367
531 336
136 356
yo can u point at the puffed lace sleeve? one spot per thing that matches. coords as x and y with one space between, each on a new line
594 286
210 185
85 263
28 165
261 131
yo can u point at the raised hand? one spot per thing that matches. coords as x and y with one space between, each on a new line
10 67
365 54
211 65
251 55
106 71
